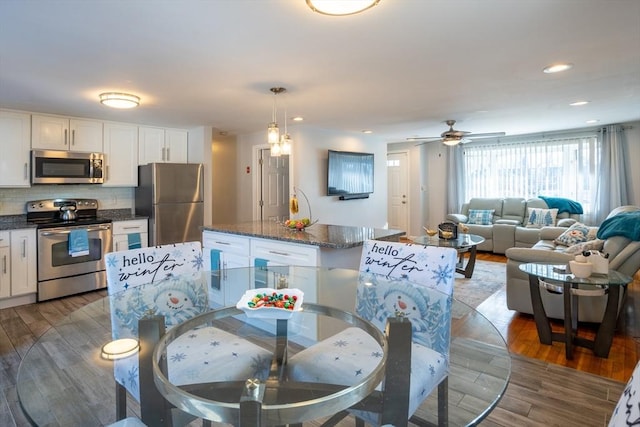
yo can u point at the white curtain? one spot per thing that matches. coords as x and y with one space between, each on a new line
455 179
611 190
562 166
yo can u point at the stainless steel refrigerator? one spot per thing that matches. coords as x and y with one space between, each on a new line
172 196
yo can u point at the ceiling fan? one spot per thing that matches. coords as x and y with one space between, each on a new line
454 137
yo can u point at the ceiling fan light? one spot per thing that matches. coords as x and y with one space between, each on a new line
119 100
340 7
557 68
451 141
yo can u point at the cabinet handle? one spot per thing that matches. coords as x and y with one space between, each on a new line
224 270
4 264
73 137
163 153
168 154
279 253
65 136
24 248
26 171
107 172
223 243
133 227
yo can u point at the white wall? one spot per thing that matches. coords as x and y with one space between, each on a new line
308 169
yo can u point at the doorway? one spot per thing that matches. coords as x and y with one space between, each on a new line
398 189
273 186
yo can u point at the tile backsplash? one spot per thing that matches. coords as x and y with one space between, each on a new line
14 200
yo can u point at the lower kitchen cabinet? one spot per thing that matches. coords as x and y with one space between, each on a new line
18 267
130 234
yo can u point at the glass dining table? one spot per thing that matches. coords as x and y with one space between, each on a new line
62 380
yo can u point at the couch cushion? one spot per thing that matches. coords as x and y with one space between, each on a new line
481 216
514 208
484 203
577 233
589 245
538 218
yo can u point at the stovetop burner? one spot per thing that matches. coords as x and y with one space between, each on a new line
48 213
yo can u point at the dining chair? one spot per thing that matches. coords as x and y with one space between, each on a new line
167 283
398 284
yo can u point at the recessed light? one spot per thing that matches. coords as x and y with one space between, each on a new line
557 68
297 119
367 131
579 103
592 121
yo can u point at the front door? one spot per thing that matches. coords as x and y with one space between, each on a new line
397 185
274 187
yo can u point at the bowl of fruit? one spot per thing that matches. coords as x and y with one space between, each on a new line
299 223
271 303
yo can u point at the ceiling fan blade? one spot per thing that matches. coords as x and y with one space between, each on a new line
423 141
485 135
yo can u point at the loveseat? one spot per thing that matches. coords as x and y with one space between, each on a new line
507 225
624 256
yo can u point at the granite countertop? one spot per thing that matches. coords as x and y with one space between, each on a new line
16 222
323 235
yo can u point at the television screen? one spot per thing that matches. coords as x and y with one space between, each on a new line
349 173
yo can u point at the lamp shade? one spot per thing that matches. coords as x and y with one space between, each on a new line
119 100
340 7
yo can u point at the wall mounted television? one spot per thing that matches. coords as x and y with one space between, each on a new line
349 174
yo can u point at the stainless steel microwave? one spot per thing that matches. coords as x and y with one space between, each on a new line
66 167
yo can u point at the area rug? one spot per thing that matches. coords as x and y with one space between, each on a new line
488 277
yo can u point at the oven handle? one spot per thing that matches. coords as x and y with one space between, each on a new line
89 229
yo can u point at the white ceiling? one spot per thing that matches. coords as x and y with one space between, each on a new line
399 69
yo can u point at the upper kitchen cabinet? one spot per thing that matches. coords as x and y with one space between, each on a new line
63 133
15 138
158 145
121 155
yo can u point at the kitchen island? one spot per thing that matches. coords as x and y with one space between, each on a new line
269 243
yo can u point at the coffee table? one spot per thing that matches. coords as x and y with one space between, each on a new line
63 381
556 278
463 243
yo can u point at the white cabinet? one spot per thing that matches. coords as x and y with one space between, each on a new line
121 155
63 133
15 136
281 253
18 262
232 250
5 264
127 233
158 145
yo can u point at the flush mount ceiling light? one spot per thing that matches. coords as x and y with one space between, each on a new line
557 68
119 100
340 7
120 349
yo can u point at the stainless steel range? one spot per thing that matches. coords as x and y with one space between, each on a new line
60 272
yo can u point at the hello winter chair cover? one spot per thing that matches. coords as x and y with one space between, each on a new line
167 280
418 284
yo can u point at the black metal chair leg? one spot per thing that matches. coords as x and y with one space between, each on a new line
443 402
121 402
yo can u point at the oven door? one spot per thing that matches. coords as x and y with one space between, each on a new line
54 260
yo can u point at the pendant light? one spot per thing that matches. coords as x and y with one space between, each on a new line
285 140
273 133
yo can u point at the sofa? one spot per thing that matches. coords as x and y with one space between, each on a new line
624 256
507 227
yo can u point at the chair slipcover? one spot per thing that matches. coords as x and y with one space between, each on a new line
395 280
179 292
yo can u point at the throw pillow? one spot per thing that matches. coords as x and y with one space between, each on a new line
577 233
481 216
589 245
539 218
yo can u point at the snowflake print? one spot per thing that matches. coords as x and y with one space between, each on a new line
214 343
341 343
376 354
358 372
178 357
441 275
112 261
193 335
197 262
133 377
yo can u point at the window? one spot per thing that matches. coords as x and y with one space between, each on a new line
563 167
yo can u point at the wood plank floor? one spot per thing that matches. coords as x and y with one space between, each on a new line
545 389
